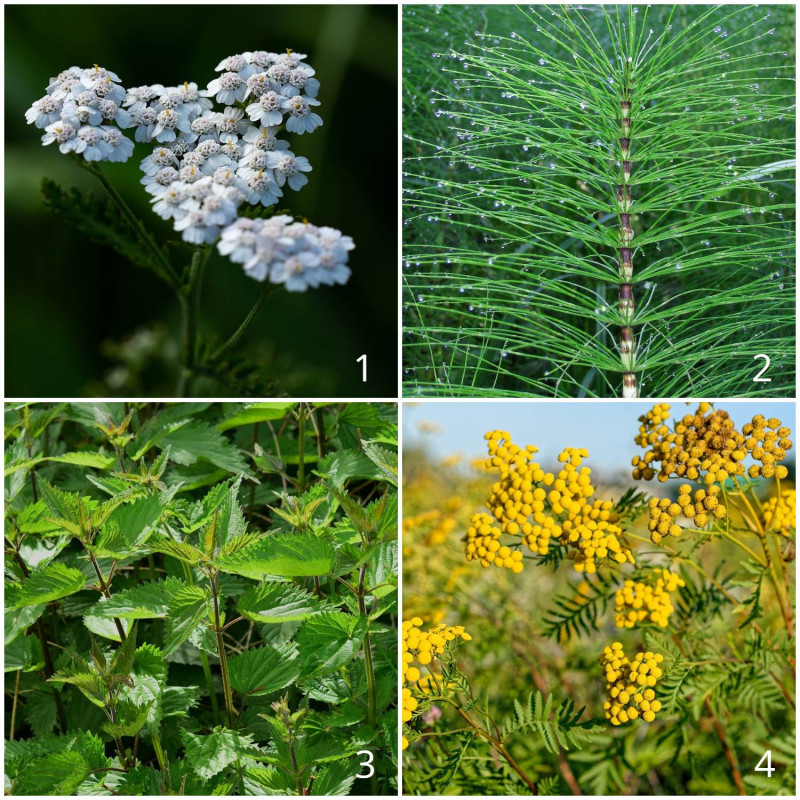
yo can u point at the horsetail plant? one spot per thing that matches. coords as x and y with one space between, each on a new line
617 187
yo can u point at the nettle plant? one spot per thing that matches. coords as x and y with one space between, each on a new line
587 188
217 171
200 599
703 605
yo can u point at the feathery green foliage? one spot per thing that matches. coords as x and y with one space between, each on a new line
517 203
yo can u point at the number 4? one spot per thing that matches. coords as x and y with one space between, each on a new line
367 763
769 769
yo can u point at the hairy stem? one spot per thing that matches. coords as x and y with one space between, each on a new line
104 591
163 765
266 293
49 670
212 692
14 707
223 659
369 667
627 342
301 441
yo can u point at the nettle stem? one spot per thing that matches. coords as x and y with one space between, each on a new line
627 342
223 659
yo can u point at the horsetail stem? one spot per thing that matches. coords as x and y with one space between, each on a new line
627 343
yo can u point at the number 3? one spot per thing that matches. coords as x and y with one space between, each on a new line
367 763
758 378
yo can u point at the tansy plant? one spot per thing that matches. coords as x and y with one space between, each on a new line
200 599
599 200
679 636
216 168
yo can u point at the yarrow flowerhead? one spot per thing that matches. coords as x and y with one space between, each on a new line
630 685
207 162
82 113
280 250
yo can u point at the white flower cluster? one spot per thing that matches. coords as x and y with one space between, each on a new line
82 112
207 163
210 162
296 254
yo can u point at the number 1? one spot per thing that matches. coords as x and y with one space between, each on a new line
363 359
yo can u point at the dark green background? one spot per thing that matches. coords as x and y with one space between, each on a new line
65 296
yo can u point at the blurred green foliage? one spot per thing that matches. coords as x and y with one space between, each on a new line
71 306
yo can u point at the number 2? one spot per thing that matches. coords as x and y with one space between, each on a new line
363 358
368 763
769 769
757 379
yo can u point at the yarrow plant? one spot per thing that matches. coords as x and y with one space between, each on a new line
698 582
215 152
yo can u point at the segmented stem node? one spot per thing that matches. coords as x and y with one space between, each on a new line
627 343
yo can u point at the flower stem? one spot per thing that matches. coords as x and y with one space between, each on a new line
223 659
189 298
266 293
167 271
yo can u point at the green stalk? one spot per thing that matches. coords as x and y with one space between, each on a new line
301 441
190 314
369 667
146 239
161 758
266 293
223 659
104 591
212 692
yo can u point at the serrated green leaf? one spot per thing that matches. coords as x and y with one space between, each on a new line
198 440
255 412
264 670
343 465
209 755
105 626
385 460
286 555
187 607
336 779
278 602
25 654
55 774
46 583
327 641
180 550
148 600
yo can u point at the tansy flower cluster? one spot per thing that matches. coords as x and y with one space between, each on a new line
705 446
530 506
780 512
82 111
647 600
424 647
207 162
630 685
698 508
